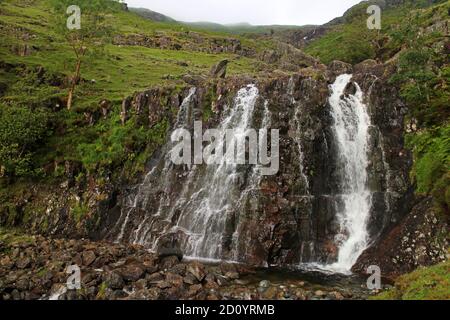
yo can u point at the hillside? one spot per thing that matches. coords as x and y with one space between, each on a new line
37 62
151 15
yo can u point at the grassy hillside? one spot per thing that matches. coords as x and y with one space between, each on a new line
117 70
431 283
37 63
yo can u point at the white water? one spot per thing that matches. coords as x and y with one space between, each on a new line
351 129
206 214
298 140
211 197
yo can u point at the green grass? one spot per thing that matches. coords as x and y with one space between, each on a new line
432 283
117 70
353 42
110 72
14 236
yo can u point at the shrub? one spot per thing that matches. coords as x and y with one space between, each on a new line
21 132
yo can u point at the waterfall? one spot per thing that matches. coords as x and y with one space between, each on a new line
351 130
202 210
214 193
298 140
139 198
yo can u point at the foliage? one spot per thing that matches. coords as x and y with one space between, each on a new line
88 36
432 162
119 144
432 283
21 130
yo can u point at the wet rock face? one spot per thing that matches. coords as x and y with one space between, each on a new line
417 240
284 219
289 217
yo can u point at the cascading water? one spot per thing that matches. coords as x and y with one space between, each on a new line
138 200
298 130
203 211
351 130
209 206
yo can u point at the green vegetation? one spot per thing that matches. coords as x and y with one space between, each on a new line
432 162
11 237
352 42
413 37
45 69
21 130
432 283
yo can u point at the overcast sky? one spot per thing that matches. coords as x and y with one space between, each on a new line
257 12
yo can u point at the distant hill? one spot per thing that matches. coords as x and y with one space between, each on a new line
237 28
151 15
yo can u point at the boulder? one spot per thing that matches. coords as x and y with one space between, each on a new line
197 270
339 67
114 280
219 70
132 272
88 257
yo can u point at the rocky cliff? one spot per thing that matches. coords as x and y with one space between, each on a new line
285 219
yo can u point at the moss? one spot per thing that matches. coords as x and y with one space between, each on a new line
208 101
101 295
79 212
432 283
14 236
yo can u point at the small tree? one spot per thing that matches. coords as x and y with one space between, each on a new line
84 26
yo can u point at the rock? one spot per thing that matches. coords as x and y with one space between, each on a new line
222 281
232 275
150 267
338 296
141 284
339 67
154 278
23 262
197 270
170 251
319 293
126 105
174 279
194 80
22 284
179 269
164 285
190 279
114 280
168 262
300 295
210 280
119 294
6 262
264 284
88 258
132 272
194 289
219 70
270 294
